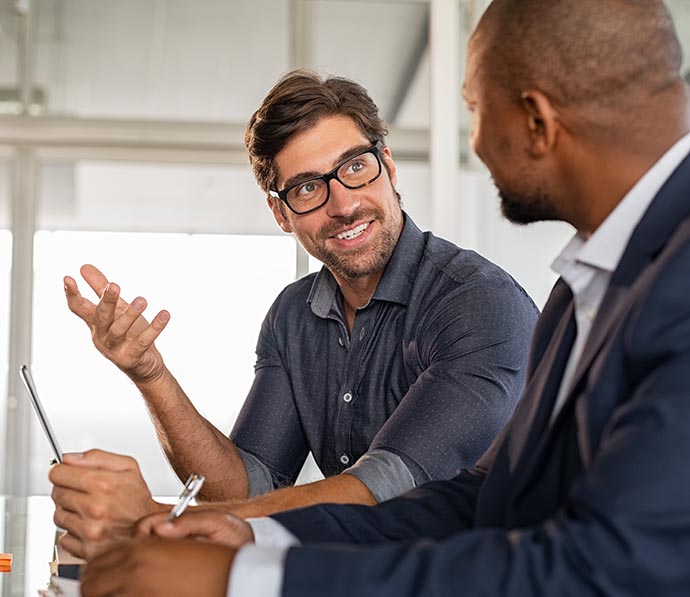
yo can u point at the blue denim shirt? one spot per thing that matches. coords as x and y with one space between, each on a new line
432 370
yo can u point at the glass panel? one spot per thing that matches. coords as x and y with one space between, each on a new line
32 554
5 271
121 196
217 288
680 10
9 25
134 222
160 60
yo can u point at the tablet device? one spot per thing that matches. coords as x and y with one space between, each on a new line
28 380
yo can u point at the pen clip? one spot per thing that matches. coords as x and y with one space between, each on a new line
191 488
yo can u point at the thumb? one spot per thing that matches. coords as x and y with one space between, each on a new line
101 459
145 526
201 525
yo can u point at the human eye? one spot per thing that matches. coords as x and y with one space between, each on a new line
307 189
357 167
354 166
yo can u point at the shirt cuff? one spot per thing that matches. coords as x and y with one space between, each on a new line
258 475
270 533
257 570
384 473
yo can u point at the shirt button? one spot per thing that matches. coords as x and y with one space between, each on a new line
340 341
347 397
345 459
361 333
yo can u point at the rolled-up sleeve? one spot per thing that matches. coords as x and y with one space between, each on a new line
384 473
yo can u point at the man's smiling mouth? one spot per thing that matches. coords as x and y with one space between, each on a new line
352 233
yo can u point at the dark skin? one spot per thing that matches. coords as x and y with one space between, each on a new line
552 146
203 524
191 555
152 566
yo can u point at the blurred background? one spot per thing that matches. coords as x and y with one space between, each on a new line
121 128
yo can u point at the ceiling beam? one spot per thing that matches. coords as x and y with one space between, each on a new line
419 48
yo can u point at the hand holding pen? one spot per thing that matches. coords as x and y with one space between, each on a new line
191 488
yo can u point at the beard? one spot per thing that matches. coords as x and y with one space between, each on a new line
521 207
363 261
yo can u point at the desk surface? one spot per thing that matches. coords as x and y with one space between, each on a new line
26 531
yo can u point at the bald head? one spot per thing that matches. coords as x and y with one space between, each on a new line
612 54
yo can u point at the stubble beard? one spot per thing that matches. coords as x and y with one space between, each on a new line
521 207
366 260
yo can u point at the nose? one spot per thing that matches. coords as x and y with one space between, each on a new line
342 201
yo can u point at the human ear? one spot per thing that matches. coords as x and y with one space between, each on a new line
277 208
387 157
542 121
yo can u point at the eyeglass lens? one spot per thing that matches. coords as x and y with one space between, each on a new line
355 172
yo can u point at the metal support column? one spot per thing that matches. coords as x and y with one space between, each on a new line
300 56
23 223
23 201
445 127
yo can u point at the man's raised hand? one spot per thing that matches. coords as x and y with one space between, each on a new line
118 329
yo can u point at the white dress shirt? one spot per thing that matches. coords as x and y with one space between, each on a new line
587 265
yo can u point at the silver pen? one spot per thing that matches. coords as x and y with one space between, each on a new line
191 488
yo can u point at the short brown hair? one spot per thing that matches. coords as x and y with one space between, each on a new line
295 104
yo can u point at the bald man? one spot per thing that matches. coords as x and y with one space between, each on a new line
581 115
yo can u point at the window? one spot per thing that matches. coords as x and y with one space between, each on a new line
5 271
217 287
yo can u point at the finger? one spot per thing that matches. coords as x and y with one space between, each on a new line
99 472
105 310
75 527
144 526
147 337
72 545
211 526
202 524
68 476
101 459
83 480
98 282
70 499
94 278
80 306
124 322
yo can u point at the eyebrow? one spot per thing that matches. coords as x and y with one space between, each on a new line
303 176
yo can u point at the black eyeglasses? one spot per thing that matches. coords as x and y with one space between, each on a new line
355 172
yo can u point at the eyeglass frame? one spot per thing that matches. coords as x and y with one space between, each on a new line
374 149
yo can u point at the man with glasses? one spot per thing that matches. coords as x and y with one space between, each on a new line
396 364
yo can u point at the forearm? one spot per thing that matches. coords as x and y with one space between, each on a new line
340 489
192 444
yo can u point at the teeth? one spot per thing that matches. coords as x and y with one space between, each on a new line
354 233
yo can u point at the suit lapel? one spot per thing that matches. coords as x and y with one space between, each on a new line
669 209
553 340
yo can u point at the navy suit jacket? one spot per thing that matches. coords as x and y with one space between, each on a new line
596 504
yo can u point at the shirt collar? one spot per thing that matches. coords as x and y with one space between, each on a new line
604 249
396 282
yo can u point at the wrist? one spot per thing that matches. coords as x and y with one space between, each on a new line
150 378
